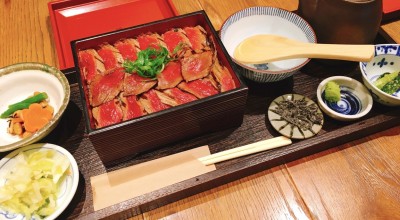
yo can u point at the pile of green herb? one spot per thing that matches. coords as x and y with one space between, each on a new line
151 61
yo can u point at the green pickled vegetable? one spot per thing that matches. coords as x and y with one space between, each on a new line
14 108
23 104
384 79
332 92
392 86
33 99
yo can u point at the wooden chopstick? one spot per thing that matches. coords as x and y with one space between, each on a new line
246 150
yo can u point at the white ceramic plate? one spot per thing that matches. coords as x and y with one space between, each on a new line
68 186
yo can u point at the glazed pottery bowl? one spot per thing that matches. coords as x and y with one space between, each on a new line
266 20
18 82
386 60
355 100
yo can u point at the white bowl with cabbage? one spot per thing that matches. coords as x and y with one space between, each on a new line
37 182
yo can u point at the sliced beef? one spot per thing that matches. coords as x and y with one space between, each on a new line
135 84
170 77
128 48
176 41
90 64
180 96
150 40
196 66
152 102
131 107
111 56
197 37
106 87
223 76
107 114
200 88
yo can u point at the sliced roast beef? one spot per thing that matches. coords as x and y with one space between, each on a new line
106 87
90 64
107 114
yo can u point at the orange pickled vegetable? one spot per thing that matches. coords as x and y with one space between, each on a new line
35 117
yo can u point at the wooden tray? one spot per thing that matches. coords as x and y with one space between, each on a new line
70 134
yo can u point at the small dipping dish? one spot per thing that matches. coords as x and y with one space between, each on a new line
355 100
295 116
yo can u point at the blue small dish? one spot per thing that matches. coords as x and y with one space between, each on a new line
355 101
349 103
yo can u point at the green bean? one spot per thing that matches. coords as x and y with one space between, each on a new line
15 107
23 104
34 99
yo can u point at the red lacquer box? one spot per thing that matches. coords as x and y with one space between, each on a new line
391 10
76 19
213 113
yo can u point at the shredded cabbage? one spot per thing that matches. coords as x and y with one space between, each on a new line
31 188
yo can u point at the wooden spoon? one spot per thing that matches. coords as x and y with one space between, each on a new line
266 48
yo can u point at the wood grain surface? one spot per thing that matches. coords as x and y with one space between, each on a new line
357 180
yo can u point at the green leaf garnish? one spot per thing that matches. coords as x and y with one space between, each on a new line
149 63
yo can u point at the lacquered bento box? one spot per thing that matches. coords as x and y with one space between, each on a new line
215 112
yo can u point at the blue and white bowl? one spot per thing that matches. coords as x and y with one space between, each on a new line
266 20
355 101
386 59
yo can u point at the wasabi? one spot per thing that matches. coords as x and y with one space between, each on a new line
332 92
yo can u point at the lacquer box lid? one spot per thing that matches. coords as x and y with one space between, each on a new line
76 19
391 10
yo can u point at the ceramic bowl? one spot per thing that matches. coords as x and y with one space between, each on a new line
301 126
355 101
266 20
67 186
386 59
19 81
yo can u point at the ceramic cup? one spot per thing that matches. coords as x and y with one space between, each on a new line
343 21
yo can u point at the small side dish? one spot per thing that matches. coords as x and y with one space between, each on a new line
343 98
295 116
382 70
37 181
18 82
29 115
